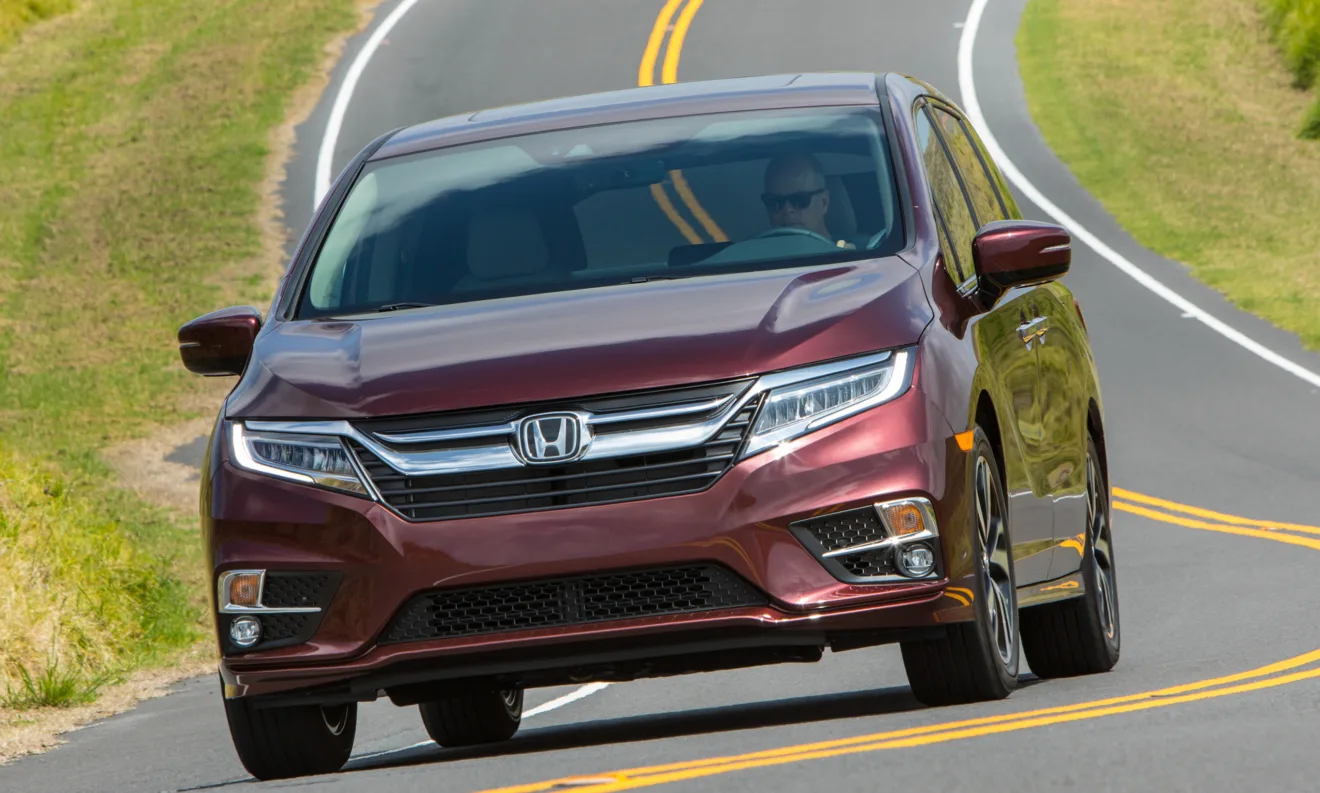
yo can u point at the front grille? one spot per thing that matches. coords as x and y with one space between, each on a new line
295 590
528 489
445 614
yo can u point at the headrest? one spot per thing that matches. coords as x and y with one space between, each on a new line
503 243
841 219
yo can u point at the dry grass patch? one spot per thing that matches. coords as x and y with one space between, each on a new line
1181 117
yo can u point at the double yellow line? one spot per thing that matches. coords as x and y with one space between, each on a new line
669 34
1209 520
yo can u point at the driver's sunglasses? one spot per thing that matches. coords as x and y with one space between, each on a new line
800 200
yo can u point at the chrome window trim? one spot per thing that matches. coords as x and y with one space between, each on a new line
502 455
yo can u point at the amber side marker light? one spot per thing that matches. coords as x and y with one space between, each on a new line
245 590
904 519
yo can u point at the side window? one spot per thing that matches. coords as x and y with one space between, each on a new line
976 177
957 225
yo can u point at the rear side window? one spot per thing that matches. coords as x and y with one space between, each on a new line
957 225
606 205
980 189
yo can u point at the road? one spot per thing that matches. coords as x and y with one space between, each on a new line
1215 689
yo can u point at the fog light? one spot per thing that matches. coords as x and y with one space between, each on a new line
904 518
916 560
245 631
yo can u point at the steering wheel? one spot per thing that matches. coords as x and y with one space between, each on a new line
790 231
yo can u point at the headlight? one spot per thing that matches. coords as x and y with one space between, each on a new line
310 459
809 400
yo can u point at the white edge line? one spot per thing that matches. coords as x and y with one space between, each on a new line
325 158
972 107
554 704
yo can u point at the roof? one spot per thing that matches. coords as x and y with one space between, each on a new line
823 89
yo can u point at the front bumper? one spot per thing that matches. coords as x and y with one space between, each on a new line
901 449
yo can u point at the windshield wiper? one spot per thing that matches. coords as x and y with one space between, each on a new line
398 306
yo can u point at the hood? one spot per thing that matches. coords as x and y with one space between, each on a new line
574 344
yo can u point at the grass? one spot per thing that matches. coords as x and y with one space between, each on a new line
1296 28
133 140
1180 116
15 15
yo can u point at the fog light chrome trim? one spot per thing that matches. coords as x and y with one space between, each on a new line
224 606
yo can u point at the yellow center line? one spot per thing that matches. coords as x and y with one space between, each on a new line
669 73
1206 513
646 72
1291 539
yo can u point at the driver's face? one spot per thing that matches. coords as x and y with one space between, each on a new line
790 187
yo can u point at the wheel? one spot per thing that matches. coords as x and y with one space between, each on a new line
277 743
1081 636
480 717
976 660
791 231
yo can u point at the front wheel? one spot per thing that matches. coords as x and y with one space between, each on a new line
475 718
976 660
1080 636
304 740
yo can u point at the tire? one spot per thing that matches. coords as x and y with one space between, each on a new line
1081 636
480 717
978 660
278 743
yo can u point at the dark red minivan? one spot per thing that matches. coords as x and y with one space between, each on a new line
667 380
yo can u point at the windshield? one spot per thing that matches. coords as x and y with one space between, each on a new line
600 206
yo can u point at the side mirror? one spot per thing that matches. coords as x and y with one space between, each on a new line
1009 253
220 343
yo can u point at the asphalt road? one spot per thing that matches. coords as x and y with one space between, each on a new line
1193 419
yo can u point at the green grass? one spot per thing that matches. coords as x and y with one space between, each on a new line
1296 28
133 140
15 15
1181 117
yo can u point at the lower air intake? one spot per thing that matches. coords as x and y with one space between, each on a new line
445 614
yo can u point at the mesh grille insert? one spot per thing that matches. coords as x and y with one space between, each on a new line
285 590
846 529
446 614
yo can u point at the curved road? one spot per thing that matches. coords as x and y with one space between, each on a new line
1220 672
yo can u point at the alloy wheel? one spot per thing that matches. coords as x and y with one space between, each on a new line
996 557
1097 524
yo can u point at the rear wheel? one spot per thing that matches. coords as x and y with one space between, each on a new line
479 717
277 743
1081 636
976 660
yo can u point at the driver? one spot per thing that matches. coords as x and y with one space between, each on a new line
795 194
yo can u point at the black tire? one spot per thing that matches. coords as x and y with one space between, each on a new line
967 664
479 717
1081 636
278 743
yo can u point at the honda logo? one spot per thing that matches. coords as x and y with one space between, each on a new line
550 438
